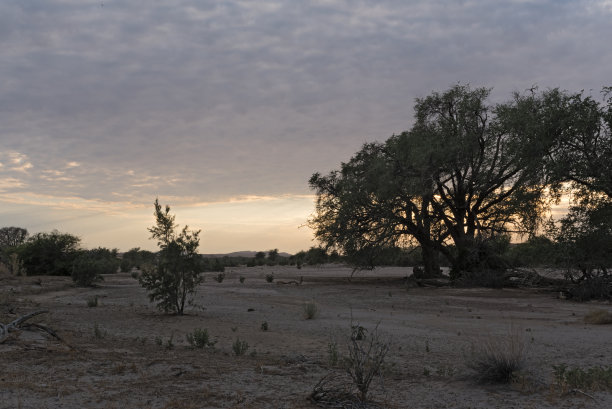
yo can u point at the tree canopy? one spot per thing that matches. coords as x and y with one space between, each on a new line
466 172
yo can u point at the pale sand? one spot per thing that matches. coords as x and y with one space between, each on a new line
431 330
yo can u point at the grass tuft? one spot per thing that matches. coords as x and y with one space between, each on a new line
497 360
310 310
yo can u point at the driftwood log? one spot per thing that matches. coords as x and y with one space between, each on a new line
16 325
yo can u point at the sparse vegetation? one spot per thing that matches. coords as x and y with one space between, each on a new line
242 278
333 355
98 332
270 277
598 317
594 378
199 338
264 326
220 277
365 360
92 301
240 347
497 360
310 310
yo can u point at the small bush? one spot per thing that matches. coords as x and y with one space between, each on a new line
310 310
92 302
199 339
497 360
89 266
358 332
220 277
240 347
98 332
135 275
269 277
264 326
242 278
333 356
598 317
170 343
365 359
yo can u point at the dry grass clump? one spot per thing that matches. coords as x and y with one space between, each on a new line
497 360
598 317
310 310
594 378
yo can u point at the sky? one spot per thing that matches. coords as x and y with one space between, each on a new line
224 109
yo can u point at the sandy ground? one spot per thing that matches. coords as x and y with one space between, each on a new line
111 358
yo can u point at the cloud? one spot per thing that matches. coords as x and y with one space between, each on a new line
204 101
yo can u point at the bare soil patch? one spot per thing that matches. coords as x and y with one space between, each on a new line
125 353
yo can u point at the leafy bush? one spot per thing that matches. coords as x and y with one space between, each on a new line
497 360
269 277
220 277
89 265
264 326
49 253
136 258
92 302
199 339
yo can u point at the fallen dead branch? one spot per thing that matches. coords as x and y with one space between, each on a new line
292 281
16 325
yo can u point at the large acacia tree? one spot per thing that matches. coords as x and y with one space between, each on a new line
466 172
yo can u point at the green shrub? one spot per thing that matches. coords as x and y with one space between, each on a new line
49 253
220 277
270 277
176 274
89 265
264 326
240 347
199 339
242 278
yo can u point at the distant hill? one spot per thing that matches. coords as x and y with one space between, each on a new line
241 254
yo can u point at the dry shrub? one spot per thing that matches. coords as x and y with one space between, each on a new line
499 359
594 378
598 317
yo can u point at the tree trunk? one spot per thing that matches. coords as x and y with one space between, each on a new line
431 262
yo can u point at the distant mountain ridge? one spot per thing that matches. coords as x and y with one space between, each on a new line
245 253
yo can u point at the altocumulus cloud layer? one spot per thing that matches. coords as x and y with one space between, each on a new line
108 104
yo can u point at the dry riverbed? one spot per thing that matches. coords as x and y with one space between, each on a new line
124 353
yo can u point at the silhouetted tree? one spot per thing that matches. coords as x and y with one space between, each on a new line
465 173
177 271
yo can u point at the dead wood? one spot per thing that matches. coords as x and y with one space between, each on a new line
16 324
